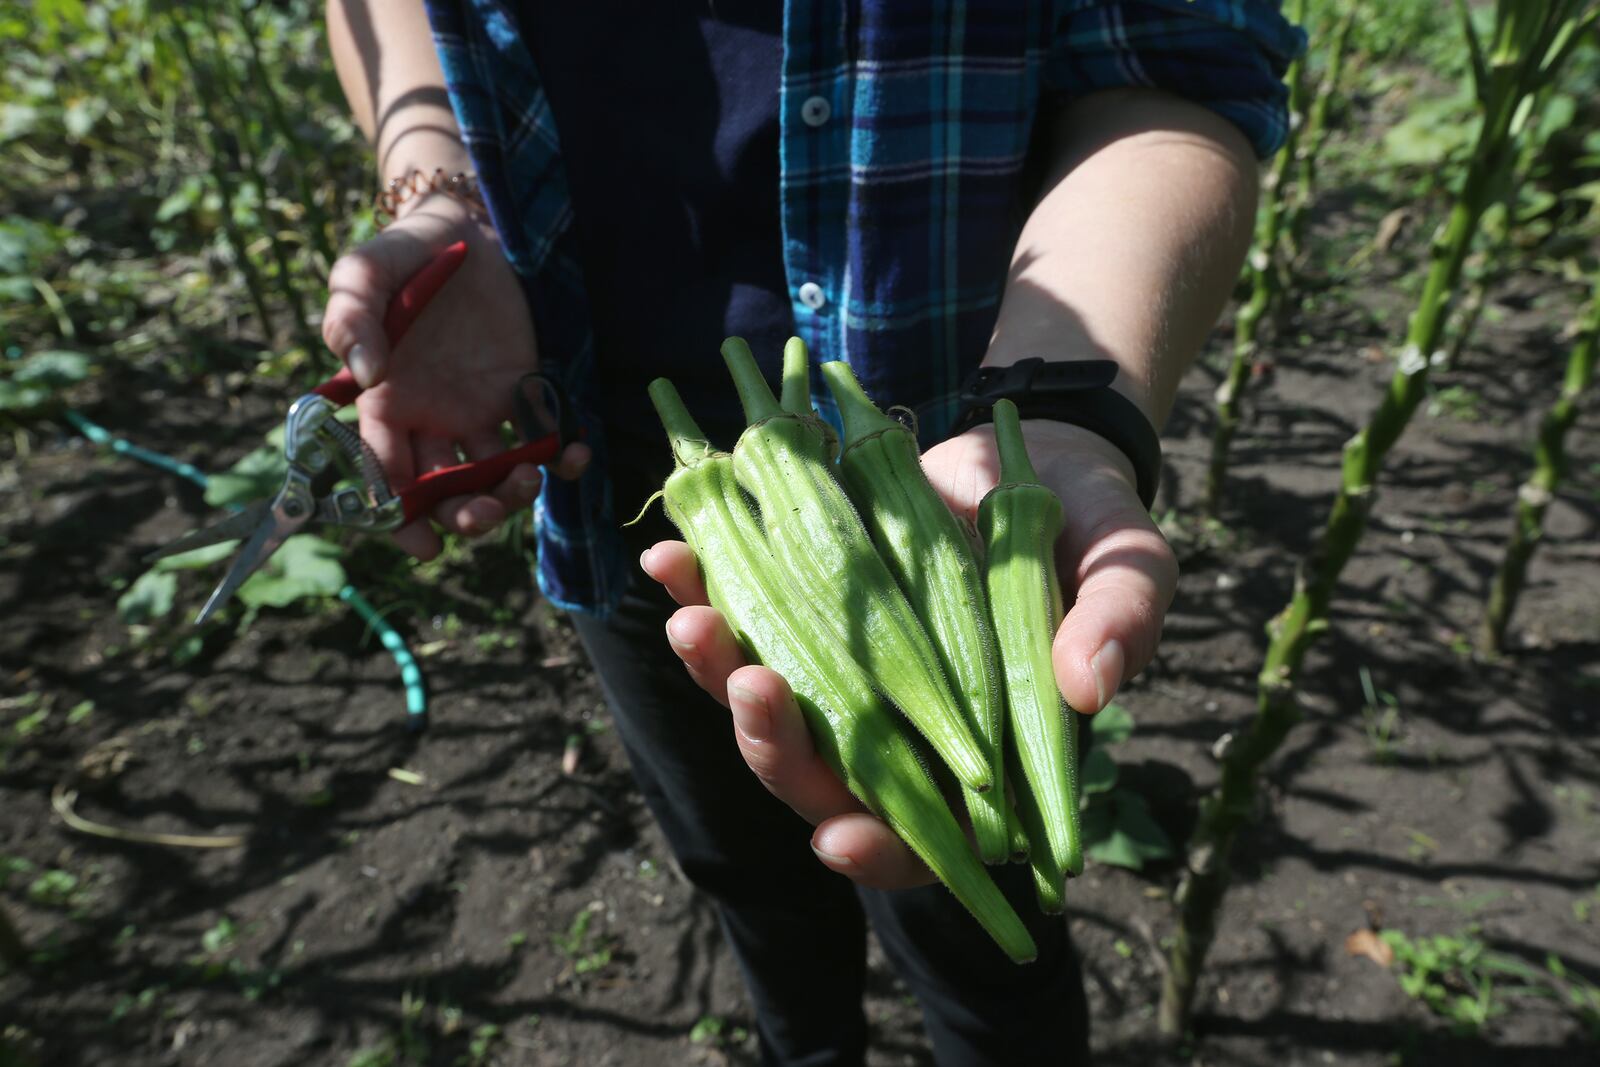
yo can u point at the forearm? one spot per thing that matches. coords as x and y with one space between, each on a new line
383 53
1133 249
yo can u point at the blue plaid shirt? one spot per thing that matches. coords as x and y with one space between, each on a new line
904 132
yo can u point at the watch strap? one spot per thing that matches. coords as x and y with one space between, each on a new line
1076 392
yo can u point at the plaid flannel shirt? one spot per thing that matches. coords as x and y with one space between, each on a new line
904 130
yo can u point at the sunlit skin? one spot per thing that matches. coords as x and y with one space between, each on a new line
1129 255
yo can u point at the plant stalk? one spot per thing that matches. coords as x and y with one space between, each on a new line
1267 272
316 220
1550 464
253 160
223 182
1315 136
1291 633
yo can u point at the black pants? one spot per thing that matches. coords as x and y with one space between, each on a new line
798 929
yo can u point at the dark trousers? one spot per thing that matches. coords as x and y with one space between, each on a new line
796 928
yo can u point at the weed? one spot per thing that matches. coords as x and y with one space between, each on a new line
1457 403
717 1031
1459 978
1117 826
585 952
57 889
1380 717
482 1043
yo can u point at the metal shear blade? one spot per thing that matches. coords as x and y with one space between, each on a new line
235 527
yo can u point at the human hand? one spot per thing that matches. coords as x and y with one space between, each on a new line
1117 572
446 389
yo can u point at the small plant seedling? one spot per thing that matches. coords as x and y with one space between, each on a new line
1380 717
586 952
1459 978
1117 826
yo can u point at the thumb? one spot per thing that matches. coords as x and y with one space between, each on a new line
360 287
1125 578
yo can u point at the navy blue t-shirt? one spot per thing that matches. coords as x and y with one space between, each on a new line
668 117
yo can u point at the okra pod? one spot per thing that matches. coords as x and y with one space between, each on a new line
1020 521
783 460
775 621
931 555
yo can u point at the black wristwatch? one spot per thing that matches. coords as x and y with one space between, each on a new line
1077 392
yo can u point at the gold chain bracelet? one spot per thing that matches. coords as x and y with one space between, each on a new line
461 186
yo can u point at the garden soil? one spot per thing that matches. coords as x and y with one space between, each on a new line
460 896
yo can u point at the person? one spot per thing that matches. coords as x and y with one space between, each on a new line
917 189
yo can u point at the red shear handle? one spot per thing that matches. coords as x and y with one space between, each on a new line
466 479
408 303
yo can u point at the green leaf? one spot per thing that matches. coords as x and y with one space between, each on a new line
181 199
306 566
258 474
14 397
1112 724
1115 849
53 368
1134 819
1098 773
1433 131
1559 113
1122 833
81 114
147 599
17 121
196 558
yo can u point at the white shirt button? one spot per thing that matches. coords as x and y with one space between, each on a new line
812 296
815 111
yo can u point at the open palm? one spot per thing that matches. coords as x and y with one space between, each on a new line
445 391
1118 576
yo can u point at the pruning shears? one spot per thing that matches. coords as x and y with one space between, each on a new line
334 478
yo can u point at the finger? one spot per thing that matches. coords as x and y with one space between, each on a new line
701 638
419 539
520 489
1125 575
433 452
471 515
772 737
390 442
360 286
672 563
573 461
520 485
864 849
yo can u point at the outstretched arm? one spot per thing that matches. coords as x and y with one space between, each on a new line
1129 255
445 391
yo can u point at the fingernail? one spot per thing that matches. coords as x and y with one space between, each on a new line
680 646
751 716
1107 667
831 860
361 365
644 558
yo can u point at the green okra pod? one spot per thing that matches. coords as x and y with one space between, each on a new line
783 460
1020 521
931 555
777 623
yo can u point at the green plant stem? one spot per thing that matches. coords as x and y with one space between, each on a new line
316 220
222 180
1550 461
253 160
1315 136
1266 270
1291 633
